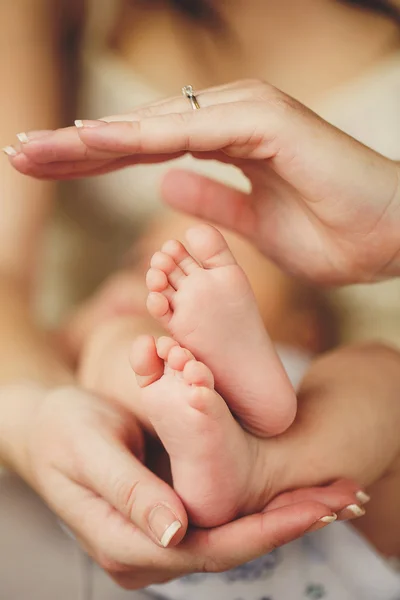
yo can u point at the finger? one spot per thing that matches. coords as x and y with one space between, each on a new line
207 129
72 170
202 130
221 94
67 170
209 200
62 144
66 145
176 104
128 555
256 535
231 545
77 169
341 497
117 545
349 484
111 470
228 546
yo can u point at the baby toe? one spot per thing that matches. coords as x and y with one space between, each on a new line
164 345
159 307
167 265
197 373
209 247
156 280
178 357
145 361
181 256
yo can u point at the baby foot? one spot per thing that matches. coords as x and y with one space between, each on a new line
206 303
211 455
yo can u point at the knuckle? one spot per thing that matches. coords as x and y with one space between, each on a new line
275 98
145 112
126 494
211 565
181 118
261 89
113 567
253 83
181 122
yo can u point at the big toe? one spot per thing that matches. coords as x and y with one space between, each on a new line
145 362
209 247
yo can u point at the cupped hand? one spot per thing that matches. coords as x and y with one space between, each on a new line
322 205
346 424
82 460
85 457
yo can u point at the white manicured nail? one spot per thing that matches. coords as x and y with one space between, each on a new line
363 497
356 510
164 524
10 151
169 533
329 519
78 123
23 138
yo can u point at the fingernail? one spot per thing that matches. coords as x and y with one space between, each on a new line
323 522
363 497
353 511
23 138
86 123
10 151
31 136
164 524
329 519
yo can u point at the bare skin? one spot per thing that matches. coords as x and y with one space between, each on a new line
201 299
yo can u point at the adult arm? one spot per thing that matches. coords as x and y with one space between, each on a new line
33 372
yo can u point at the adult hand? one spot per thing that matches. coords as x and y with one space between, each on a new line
84 456
348 408
348 418
79 453
322 205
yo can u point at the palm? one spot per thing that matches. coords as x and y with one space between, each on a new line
326 234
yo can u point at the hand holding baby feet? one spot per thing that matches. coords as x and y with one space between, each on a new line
206 303
219 470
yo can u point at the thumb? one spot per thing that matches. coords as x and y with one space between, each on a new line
209 200
115 474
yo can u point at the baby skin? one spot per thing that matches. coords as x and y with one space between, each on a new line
203 299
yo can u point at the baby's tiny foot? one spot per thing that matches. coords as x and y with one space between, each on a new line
205 301
209 451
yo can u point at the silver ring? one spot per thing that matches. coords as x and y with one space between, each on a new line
190 95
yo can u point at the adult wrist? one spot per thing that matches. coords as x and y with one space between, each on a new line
19 405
